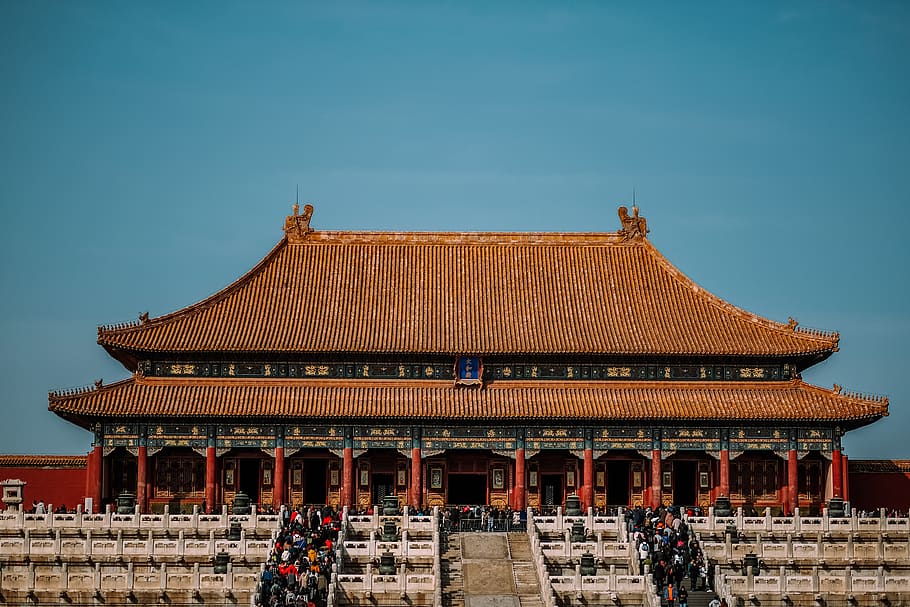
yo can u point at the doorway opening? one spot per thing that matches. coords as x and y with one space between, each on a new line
685 479
249 478
551 489
383 485
619 483
314 491
467 489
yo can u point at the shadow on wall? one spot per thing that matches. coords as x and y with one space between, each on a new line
880 484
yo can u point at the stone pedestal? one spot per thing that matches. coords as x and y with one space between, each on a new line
13 489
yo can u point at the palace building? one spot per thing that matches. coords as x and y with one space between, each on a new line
466 368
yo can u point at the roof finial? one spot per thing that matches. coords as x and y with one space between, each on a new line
634 206
633 226
297 226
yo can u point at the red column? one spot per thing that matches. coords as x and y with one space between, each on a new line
587 498
94 476
846 481
141 463
209 478
724 480
347 478
278 493
792 480
837 474
655 478
416 490
518 489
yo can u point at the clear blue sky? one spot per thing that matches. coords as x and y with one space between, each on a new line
149 153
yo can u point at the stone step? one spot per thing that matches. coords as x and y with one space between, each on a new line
524 571
451 567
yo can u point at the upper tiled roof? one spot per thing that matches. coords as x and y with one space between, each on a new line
440 400
466 293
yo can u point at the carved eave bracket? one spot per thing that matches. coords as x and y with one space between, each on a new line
297 226
634 227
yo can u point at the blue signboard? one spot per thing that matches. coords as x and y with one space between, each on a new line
468 370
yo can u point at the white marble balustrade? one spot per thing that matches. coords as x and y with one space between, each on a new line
125 577
264 523
111 545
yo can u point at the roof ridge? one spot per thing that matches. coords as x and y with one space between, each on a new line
418 238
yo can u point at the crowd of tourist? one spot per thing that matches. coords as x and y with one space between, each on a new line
672 554
481 518
299 566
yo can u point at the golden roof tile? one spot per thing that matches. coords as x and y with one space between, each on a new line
466 293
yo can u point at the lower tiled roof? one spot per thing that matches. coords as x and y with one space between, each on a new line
901 466
42 461
502 400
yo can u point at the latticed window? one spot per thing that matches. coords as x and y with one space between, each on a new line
810 480
180 476
754 479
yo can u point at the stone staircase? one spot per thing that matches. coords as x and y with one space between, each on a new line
450 562
524 571
701 598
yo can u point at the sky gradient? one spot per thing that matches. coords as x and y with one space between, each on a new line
150 152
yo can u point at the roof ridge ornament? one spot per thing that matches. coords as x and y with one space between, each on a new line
634 227
297 226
